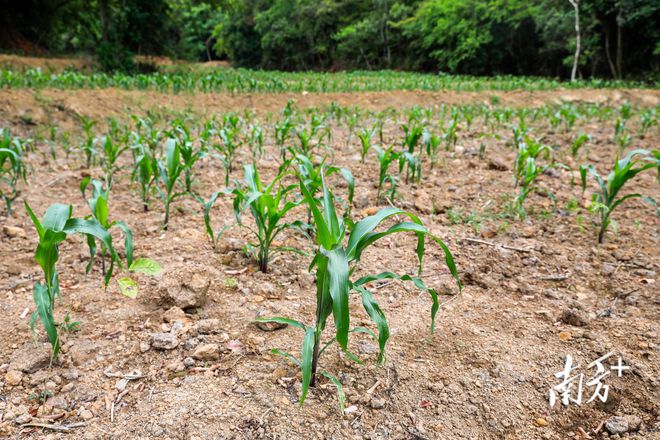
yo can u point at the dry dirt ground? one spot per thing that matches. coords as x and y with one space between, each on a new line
535 291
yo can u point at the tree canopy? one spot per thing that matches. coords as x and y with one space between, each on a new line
619 38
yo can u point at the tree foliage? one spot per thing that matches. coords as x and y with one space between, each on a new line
619 37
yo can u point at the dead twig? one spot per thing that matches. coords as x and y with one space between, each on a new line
54 427
558 277
490 243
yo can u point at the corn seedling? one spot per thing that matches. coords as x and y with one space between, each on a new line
312 177
56 225
208 205
528 175
145 173
88 145
12 168
98 205
412 165
256 141
111 152
578 143
385 159
431 145
648 119
334 262
169 172
189 153
528 148
365 135
268 204
606 198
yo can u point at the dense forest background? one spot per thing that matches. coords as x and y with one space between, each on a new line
619 38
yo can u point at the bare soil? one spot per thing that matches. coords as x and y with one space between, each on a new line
535 291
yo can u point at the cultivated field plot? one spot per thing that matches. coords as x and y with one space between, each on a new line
513 180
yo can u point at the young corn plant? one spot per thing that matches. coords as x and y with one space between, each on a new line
268 204
111 153
607 198
98 205
169 172
56 225
283 130
365 135
312 176
189 153
385 159
529 148
88 146
334 262
527 177
578 143
431 144
145 173
208 205
12 168
228 146
256 142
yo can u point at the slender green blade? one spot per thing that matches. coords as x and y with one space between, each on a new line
306 364
280 320
42 300
340 390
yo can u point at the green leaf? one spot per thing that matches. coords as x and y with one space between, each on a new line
338 286
281 320
42 299
278 352
128 287
340 390
146 266
306 364
378 317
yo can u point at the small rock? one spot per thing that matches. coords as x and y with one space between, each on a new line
13 231
191 343
377 403
497 165
269 326
189 362
541 422
164 341
29 359
185 286
71 374
176 366
207 326
174 314
617 425
121 385
144 346
8 416
574 317
58 402
366 347
13 377
86 415
67 388
23 419
207 352
267 290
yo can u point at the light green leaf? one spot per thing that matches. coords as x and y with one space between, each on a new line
146 266
128 287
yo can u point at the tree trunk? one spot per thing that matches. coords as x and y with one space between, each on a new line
576 6
609 55
105 22
619 49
